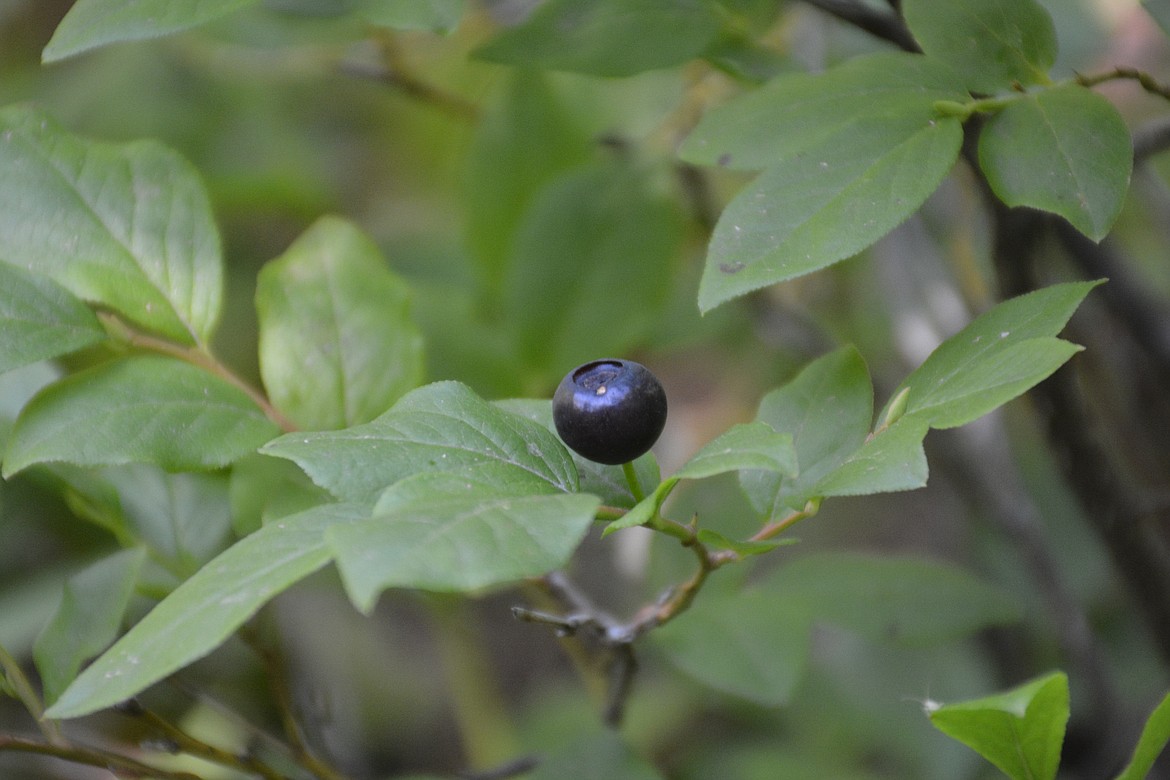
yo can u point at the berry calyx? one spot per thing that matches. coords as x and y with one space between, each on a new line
610 411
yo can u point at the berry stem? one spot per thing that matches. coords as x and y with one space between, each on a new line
632 481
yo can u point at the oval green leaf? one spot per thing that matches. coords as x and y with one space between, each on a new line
999 355
138 410
140 237
440 427
1065 150
887 96
337 345
836 388
825 204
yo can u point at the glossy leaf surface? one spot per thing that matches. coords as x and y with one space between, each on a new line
440 427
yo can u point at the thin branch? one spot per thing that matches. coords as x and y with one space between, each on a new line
394 72
276 673
1147 82
196 356
28 696
121 766
185 743
889 27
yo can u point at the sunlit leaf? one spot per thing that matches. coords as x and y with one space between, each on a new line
138 410
1155 735
1020 731
128 226
999 355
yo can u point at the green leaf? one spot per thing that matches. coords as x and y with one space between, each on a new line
1065 150
589 261
519 146
991 43
890 461
752 446
460 532
1153 741
443 426
904 600
40 319
183 518
823 205
337 345
206 609
436 15
607 37
1002 353
93 23
753 644
138 409
828 409
139 239
1019 731
606 482
887 96
87 619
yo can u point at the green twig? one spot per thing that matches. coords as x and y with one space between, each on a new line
197 356
1147 82
276 673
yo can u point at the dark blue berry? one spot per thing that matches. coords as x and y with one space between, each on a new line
610 411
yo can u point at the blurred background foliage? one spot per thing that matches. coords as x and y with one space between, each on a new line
542 219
